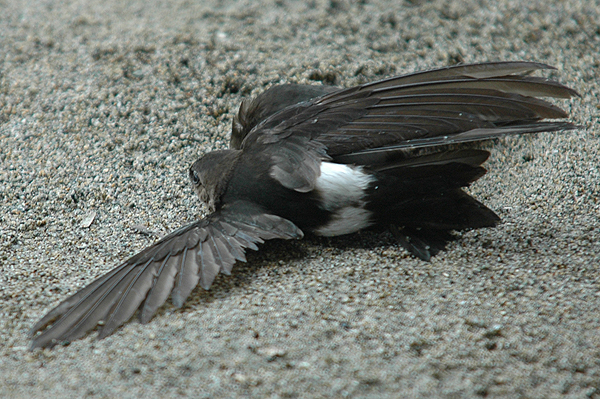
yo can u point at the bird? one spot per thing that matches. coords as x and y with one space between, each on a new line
306 159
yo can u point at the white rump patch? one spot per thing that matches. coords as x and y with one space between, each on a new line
345 221
342 190
342 185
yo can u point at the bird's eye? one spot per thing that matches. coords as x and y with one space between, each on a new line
194 177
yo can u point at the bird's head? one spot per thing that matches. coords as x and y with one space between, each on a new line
209 176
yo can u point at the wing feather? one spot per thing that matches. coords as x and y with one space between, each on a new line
163 283
174 265
449 105
188 276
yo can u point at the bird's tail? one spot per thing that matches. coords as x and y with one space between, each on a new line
422 198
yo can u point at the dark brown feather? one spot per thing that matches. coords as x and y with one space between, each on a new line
376 122
268 103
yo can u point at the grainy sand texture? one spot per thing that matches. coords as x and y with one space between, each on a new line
105 104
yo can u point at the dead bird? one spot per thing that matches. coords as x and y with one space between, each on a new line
328 161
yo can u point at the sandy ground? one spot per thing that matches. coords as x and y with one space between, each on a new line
103 105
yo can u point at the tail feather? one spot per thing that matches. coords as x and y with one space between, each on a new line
424 194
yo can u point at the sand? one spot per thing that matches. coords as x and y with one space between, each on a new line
104 105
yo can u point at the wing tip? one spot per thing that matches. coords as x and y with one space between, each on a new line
43 342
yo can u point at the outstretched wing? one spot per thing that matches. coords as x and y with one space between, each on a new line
375 122
174 265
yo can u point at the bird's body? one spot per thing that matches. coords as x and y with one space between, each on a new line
328 161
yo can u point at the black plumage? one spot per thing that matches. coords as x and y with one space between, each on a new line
329 161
